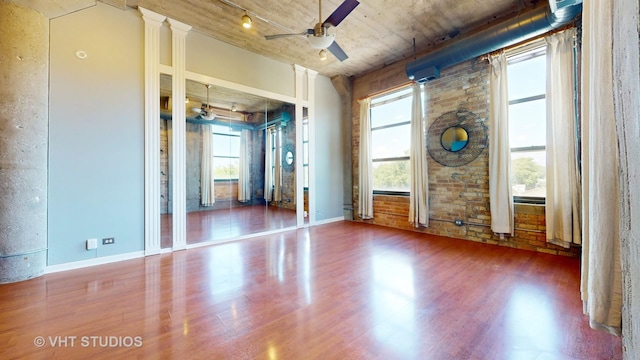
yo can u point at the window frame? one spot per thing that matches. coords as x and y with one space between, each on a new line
305 156
214 156
528 52
402 93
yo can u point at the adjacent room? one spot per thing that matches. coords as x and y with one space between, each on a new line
323 179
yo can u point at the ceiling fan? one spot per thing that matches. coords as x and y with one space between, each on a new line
320 37
206 111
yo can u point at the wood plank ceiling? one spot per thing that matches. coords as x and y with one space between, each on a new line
375 34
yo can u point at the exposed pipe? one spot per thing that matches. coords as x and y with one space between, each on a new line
511 31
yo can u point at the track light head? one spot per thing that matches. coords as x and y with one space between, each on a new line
246 20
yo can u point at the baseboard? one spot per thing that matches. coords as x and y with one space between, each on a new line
139 254
327 221
93 262
238 238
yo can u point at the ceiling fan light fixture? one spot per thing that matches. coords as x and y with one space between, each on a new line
246 21
323 54
321 42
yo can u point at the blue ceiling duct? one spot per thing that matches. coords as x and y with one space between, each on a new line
512 31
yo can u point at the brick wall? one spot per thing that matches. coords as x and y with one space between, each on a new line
164 166
454 192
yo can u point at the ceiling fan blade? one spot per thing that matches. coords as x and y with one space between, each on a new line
337 51
278 36
341 12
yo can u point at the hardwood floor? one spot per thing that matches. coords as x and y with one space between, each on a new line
212 225
338 291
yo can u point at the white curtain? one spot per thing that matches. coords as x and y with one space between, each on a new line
244 172
277 168
419 194
268 164
563 192
365 167
207 193
500 194
601 285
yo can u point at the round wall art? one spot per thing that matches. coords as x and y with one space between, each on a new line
456 138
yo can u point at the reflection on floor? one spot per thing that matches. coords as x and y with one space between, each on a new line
203 226
343 290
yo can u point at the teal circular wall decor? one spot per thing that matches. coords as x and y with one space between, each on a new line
456 138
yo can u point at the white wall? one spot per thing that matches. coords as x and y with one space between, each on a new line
220 60
329 151
95 133
96 151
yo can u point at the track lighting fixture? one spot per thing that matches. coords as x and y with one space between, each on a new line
246 20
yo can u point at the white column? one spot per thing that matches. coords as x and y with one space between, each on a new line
152 24
311 96
178 91
299 72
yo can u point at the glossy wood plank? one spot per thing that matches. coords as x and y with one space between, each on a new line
213 225
337 291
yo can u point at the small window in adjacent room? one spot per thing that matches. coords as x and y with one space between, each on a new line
527 123
305 148
390 141
226 153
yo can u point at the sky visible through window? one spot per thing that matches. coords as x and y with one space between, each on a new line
393 141
390 140
527 123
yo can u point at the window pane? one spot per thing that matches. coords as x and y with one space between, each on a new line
305 131
306 176
222 129
234 143
527 78
527 124
225 168
391 95
224 145
391 142
221 145
305 153
391 113
391 175
528 173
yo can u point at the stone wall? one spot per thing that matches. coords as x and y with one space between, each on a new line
455 193
288 177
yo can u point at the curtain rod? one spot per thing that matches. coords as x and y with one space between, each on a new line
389 90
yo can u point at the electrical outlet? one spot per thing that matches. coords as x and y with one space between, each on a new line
459 222
92 244
108 241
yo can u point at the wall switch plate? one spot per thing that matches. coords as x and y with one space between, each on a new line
92 244
108 241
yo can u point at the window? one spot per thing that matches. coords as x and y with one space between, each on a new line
305 148
226 152
526 72
277 132
390 141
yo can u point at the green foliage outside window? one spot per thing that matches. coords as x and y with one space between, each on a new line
392 175
526 171
225 172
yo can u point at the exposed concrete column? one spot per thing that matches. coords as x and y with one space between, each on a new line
344 87
626 67
24 115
